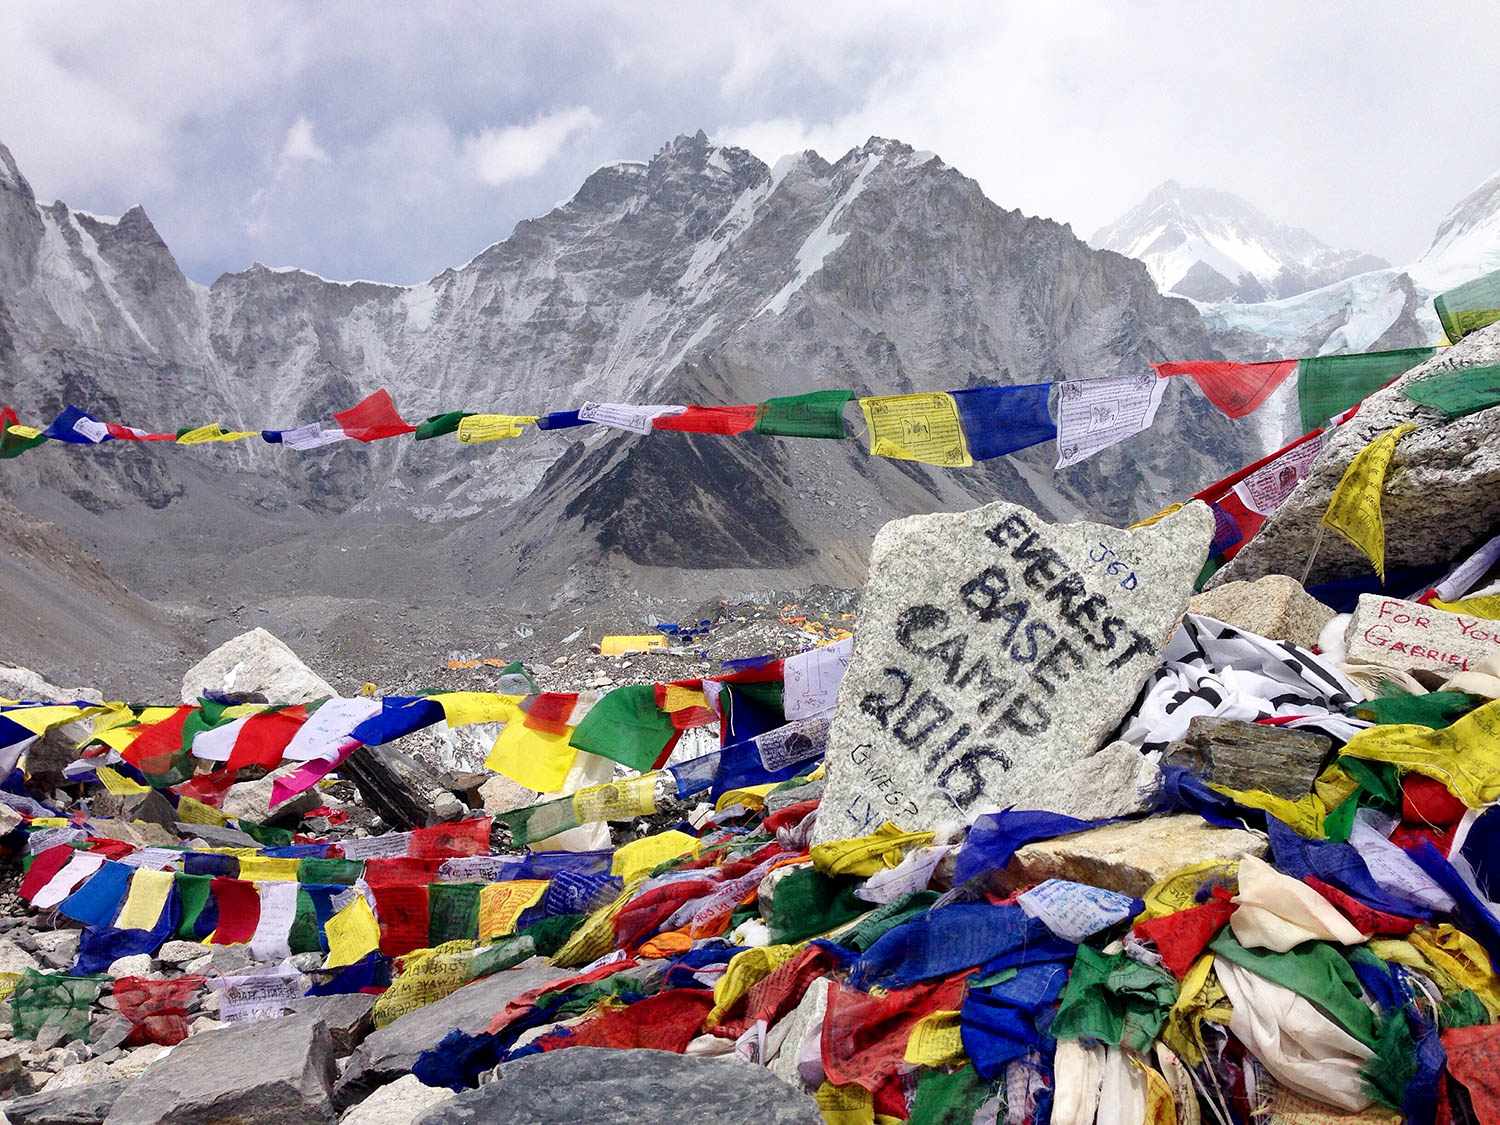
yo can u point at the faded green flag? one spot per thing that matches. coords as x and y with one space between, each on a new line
1330 384
1469 307
1460 392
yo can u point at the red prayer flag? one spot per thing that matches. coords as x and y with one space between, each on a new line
46 864
239 910
1235 388
709 420
402 911
451 841
1365 919
373 418
264 737
156 1009
389 871
550 711
1182 937
668 1021
157 744
864 1035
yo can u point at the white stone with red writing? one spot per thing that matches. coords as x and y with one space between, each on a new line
993 651
1406 635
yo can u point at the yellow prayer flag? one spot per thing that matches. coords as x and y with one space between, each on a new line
1160 1108
500 904
1487 606
935 1041
641 857
596 936
143 905
745 969
267 869
50 822
682 699
39 720
461 708
1465 756
190 810
118 784
477 428
751 796
1179 890
27 432
213 432
624 646
8 981
865 855
1157 517
921 427
1354 510
537 759
352 934
617 800
1462 958
845 1105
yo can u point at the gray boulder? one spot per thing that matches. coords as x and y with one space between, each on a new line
71 1105
347 1017
237 1074
609 1087
402 1102
1274 606
256 661
391 1052
1442 490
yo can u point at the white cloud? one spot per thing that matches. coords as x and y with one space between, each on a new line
518 151
300 143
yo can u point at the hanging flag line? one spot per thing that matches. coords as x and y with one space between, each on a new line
949 428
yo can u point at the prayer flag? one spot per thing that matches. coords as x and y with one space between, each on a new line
16 439
132 433
1093 414
624 415
502 904
372 418
1235 388
77 428
352 934
1459 392
917 427
537 759
476 429
1354 510
560 420
817 414
709 420
314 435
626 726
145 900
464 708
212 432
1330 384
1001 420
439 424
1470 306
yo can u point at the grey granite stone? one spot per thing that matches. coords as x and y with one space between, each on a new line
1405 635
994 649
1274 606
72 1105
1243 755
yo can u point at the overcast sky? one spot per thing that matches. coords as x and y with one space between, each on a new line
390 141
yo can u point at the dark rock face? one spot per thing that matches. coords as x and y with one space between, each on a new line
620 1087
1242 755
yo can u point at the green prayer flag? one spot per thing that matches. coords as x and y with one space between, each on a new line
538 822
1436 709
1330 384
1463 1009
627 727
1379 783
1456 393
949 1097
342 872
41 999
808 903
306 936
452 912
193 892
13 445
267 837
887 917
817 414
1114 999
506 953
551 934
440 424
1469 307
1313 970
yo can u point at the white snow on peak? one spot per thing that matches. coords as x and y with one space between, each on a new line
822 242
108 220
1467 243
716 160
708 250
330 280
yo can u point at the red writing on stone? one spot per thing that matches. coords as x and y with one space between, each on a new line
1401 616
1380 637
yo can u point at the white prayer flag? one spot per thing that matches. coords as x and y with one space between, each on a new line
811 679
1093 414
624 415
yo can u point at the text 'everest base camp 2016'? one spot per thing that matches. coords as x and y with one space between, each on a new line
773 654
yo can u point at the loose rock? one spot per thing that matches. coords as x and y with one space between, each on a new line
402 1102
1275 606
1241 755
1405 635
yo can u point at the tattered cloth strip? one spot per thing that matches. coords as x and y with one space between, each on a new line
1235 388
1459 392
1210 668
44 999
1354 508
156 1009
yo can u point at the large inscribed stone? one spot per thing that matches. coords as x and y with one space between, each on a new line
1402 634
994 649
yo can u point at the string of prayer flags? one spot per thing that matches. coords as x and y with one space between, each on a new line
1093 414
1001 420
1330 384
917 427
817 414
314 435
1235 388
1354 509
475 429
76 427
1469 307
1457 393
214 431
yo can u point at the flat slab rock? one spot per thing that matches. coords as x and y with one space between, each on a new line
1406 635
626 1087
1132 856
1243 755
994 649
387 1054
69 1105
1275 606
237 1074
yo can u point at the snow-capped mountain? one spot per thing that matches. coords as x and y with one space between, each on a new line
1467 242
701 276
1214 246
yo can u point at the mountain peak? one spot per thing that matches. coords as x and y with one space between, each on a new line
1212 245
1467 242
